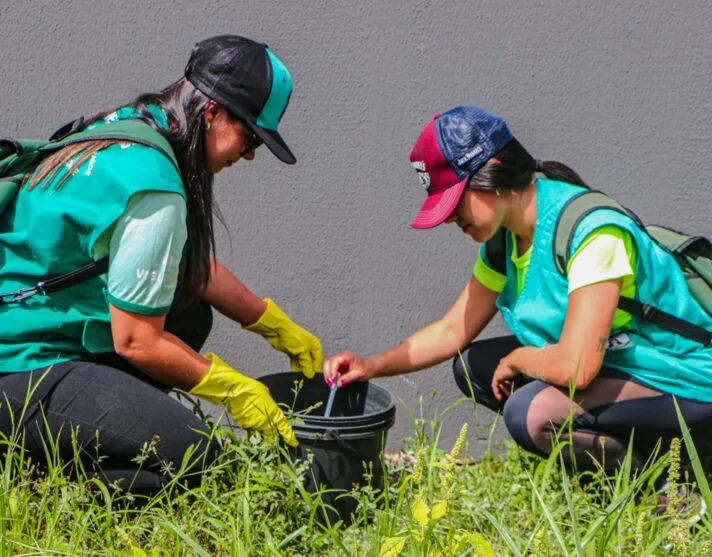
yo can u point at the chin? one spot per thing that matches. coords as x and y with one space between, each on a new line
473 233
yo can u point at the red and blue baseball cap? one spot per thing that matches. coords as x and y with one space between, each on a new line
449 150
249 80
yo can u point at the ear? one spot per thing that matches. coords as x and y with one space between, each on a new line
211 112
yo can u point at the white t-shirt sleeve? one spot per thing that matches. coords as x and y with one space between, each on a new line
602 256
145 252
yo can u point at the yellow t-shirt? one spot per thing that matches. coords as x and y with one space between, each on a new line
606 254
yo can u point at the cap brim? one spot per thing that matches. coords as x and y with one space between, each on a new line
274 143
439 206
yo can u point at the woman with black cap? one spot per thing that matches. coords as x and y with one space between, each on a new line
568 331
90 360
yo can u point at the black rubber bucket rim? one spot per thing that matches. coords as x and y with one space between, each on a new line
318 433
347 427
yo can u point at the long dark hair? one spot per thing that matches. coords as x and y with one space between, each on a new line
183 105
514 169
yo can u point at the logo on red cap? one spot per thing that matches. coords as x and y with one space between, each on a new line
423 176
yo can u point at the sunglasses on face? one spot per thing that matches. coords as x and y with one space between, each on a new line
253 140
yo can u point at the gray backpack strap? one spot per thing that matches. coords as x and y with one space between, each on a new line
496 250
573 212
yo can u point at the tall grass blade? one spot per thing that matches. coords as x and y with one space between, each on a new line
197 550
570 504
502 531
549 517
700 476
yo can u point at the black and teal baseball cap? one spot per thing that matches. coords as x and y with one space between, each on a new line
248 79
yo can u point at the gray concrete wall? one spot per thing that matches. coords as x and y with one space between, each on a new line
621 91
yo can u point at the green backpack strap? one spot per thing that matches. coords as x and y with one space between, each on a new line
18 156
696 264
14 153
133 131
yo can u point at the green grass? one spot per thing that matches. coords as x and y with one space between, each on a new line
251 502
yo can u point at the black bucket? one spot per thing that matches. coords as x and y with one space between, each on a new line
347 447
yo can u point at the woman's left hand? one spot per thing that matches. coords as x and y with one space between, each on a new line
503 378
283 334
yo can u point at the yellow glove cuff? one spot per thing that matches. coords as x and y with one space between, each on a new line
271 319
283 334
247 400
216 384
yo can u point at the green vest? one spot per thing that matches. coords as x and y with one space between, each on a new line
48 232
657 357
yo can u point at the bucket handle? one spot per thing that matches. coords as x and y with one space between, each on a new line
333 435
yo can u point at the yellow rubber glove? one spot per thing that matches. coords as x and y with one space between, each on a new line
248 401
283 334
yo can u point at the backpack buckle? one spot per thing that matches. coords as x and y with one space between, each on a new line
68 129
18 295
649 313
23 294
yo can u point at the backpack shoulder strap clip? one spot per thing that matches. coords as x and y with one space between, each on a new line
68 129
55 284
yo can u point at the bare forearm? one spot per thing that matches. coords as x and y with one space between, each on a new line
441 340
168 360
577 357
428 347
226 293
554 364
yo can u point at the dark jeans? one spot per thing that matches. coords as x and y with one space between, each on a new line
114 412
603 417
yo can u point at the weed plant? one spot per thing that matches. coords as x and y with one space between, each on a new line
252 502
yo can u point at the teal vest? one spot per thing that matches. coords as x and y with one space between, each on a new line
48 232
661 359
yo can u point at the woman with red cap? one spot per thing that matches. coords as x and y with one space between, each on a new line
90 361
568 332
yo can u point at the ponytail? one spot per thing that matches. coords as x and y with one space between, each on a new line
557 171
513 168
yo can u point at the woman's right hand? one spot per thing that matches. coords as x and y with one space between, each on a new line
346 367
247 400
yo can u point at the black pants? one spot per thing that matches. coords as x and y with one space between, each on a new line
114 412
603 417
